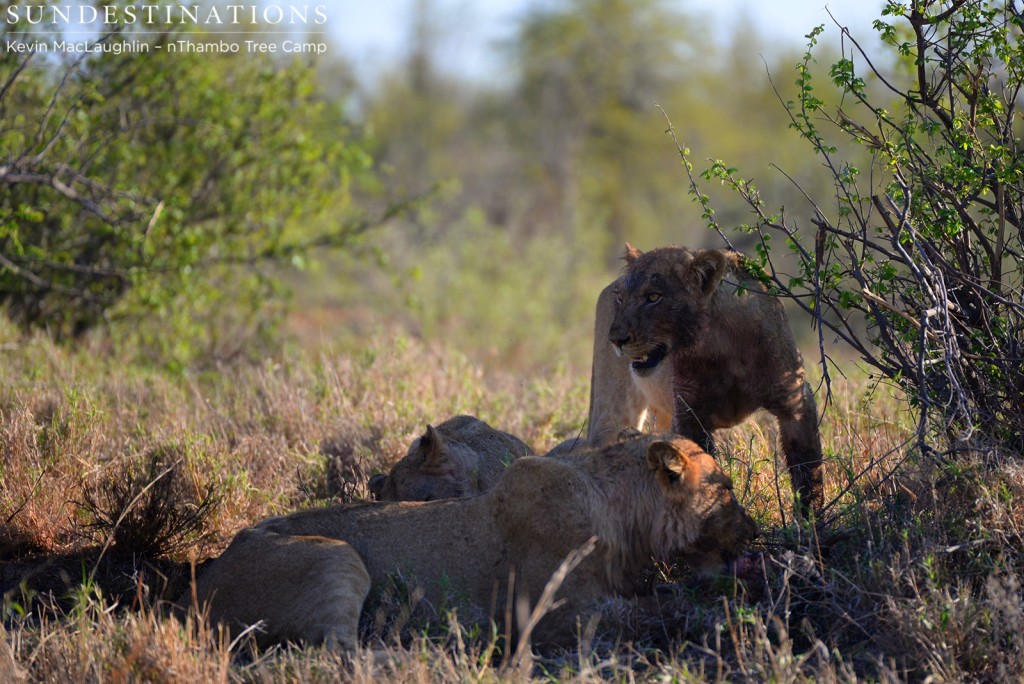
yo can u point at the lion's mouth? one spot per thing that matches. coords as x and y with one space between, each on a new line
748 565
649 360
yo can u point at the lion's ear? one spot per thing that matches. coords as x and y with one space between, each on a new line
432 446
376 485
666 459
632 254
706 270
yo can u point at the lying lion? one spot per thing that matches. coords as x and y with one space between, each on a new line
643 499
462 456
701 344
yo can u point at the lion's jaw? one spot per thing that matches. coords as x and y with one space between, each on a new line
644 363
632 339
696 518
708 541
725 536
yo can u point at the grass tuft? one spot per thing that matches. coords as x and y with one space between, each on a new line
153 510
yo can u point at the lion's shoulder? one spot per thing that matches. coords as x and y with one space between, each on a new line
572 485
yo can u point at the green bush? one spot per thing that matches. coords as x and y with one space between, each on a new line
149 185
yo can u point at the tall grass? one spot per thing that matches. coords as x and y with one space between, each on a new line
914 570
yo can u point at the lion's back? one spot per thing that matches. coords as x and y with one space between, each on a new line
749 325
436 544
481 446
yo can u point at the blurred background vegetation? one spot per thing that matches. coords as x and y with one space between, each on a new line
549 169
195 210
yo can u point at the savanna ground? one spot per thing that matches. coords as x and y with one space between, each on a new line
914 571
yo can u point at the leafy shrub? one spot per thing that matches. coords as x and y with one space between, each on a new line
136 187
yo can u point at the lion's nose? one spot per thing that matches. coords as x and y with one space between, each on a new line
619 334
619 340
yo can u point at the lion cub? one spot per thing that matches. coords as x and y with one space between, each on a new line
462 456
645 498
702 344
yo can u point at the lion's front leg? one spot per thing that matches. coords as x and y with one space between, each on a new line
690 424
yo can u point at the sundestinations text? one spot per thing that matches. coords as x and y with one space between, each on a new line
166 14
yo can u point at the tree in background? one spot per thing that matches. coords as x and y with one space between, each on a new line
590 75
149 186
925 243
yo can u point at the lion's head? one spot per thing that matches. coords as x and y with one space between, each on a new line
461 457
701 505
661 302
427 472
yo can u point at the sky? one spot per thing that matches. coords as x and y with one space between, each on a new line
371 33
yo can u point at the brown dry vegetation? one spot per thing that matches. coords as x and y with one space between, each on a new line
909 575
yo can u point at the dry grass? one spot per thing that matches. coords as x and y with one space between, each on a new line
914 572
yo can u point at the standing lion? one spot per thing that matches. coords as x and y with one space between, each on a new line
690 336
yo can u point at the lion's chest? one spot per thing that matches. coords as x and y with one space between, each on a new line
717 389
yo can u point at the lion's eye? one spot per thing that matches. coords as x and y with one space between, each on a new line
653 298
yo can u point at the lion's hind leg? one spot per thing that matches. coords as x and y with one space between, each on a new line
294 588
801 443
